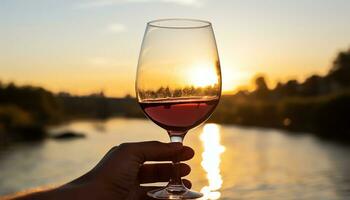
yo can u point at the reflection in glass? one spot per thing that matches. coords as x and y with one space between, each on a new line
210 138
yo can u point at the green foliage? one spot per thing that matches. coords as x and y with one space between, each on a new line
25 111
17 124
40 103
12 116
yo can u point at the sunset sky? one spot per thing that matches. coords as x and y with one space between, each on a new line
85 46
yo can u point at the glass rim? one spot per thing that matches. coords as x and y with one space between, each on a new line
158 23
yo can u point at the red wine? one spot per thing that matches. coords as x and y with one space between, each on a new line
179 115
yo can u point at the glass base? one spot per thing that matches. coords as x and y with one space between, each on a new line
174 192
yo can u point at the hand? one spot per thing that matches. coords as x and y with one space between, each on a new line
121 171
119 174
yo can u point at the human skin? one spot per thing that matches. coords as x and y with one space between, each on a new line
121 171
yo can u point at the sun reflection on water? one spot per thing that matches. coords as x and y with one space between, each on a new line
210 138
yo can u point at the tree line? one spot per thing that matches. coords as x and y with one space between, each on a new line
320 105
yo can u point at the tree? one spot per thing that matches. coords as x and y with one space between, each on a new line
261 88
313 86
260 83
340 71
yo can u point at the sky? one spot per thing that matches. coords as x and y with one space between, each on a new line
85 46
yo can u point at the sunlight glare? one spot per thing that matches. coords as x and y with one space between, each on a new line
210 138
233 77
202 75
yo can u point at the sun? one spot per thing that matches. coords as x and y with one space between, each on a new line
203 74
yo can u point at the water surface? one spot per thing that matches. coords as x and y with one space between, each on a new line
231 162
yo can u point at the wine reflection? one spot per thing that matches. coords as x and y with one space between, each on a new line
210 138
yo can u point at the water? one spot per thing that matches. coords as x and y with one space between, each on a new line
230 163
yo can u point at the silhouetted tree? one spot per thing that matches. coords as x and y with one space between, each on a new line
128 96
39 102
291 88
340 72
260 83
313 86
261 88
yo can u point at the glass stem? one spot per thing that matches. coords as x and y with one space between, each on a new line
175 182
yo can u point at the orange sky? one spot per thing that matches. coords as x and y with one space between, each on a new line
86 46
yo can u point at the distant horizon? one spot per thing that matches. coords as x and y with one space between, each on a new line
249 87
271 84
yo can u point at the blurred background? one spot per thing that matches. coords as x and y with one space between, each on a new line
281 130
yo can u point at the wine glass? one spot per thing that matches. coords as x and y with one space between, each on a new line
178 83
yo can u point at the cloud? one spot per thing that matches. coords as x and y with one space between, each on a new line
116 28
103 3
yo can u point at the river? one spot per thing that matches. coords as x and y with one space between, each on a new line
231 162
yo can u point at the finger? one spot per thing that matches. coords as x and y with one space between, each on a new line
186 154
152 151
187 183
150 173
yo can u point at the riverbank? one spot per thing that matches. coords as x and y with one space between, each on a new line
319 105
324 116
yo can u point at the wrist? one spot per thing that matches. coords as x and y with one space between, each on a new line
87 191
72 191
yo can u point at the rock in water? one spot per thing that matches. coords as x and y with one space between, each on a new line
68 135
